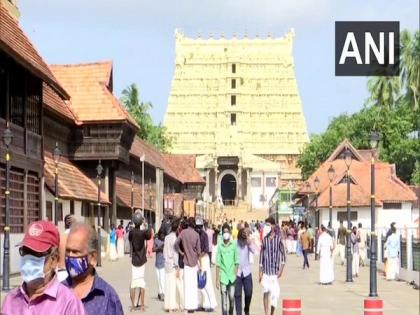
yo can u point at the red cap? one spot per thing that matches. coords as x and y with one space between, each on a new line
41 236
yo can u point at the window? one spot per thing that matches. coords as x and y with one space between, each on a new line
233 119
233 83
71 206
233 100
256 181
233 68
85 209
48 213
270 182
59 211
392 205
342 216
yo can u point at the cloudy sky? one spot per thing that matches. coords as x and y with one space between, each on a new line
138 36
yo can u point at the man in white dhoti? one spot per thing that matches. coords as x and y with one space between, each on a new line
207 297
190 241
392 246
362 244
172 301
355 240
324 250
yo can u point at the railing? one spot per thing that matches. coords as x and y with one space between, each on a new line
416 253
228 202
403 252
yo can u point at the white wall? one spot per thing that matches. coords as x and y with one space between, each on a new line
402 217
384 217
14 252
257 191
66 209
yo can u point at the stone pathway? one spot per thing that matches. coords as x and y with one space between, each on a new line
340 298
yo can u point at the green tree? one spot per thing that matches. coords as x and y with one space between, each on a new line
154 134
391 109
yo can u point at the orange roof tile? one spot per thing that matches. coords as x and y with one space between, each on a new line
54 103
72 182
388 187
124 195
16 44
183 166
89 85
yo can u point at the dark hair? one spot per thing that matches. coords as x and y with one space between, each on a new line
341 221
360 224
191 222
174 225
323 229
270 220
226 226
393 229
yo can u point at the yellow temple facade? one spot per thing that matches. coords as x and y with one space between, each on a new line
234 103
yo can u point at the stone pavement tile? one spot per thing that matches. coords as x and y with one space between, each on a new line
341 298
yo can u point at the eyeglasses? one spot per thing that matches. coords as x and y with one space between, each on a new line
27 251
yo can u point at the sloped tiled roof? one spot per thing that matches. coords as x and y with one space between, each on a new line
124 195
179 167
183 166
72 182
89 85
54 103
16 44
388 187
152 156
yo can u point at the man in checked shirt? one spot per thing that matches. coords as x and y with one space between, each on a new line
272 261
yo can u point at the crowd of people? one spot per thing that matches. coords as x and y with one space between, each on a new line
59 276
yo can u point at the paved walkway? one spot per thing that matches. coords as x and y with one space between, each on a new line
340 298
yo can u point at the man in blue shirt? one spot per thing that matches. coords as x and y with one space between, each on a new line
97 296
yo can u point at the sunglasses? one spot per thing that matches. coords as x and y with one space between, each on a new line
27 251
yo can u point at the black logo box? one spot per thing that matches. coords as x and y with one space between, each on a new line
350 66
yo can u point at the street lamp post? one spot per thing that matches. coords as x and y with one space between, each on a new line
7 139
99 170
331 175
348 160
374 139
57 155
132 191
142 158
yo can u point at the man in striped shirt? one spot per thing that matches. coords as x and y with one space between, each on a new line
272 261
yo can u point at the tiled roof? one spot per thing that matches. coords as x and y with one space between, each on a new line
54 103
152 156
16 44
124 195
72 182
90 87
388 187
179 167
183 166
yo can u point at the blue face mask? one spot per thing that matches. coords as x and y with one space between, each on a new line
32 267
76 265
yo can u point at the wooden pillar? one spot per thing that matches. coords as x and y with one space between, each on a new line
25 200
159 198
42 204
106 218
114 197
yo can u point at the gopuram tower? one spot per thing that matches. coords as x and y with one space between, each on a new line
234 103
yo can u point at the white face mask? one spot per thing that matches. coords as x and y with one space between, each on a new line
32 267
226 236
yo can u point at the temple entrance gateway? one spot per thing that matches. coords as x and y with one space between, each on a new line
228 189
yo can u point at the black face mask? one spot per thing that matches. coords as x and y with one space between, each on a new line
198 228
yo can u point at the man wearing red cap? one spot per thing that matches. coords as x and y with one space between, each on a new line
41 292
